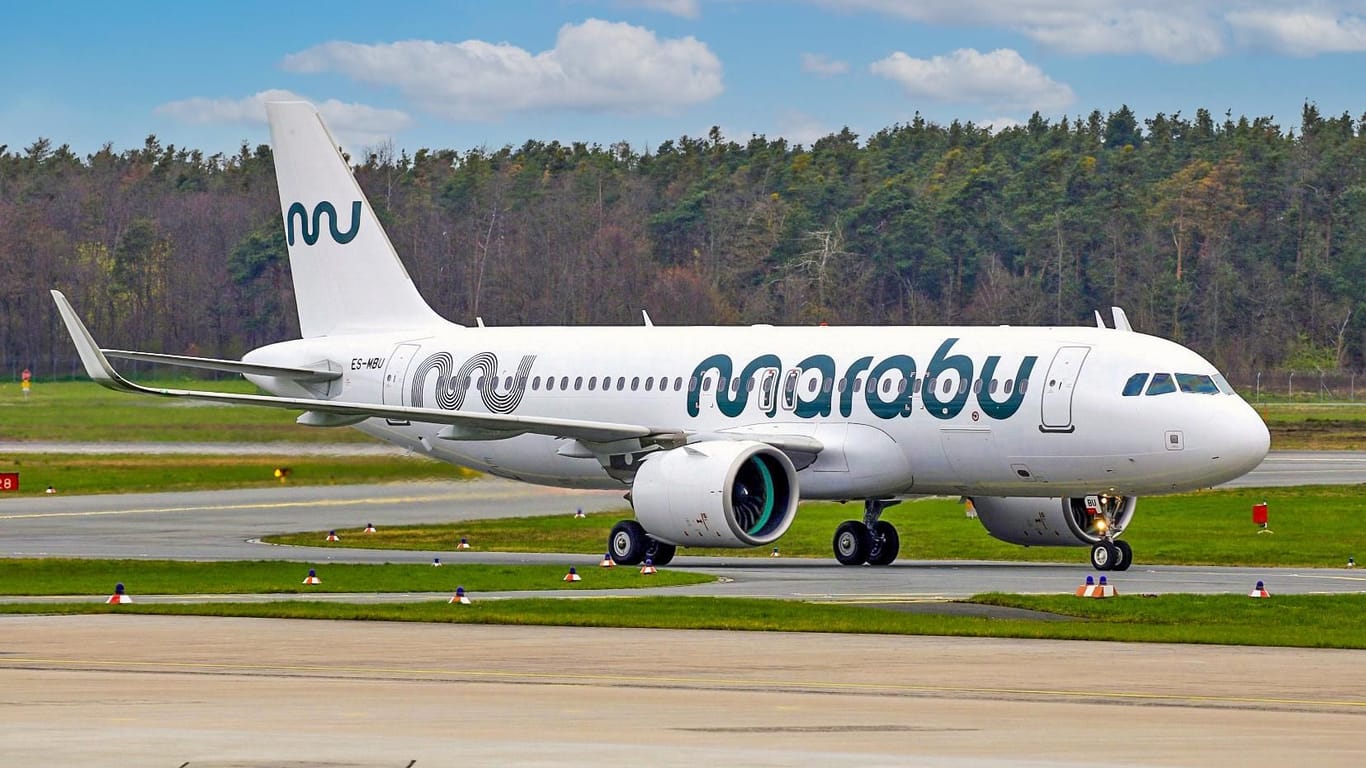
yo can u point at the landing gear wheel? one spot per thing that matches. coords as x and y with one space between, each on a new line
885 544
1126 556
1104 556
659 553
627 542
852 542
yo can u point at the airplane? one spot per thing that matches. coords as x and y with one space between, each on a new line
715 433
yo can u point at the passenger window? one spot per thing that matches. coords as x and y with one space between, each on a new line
1010 384
635 383
991 389
592 383
706 384
1196 383
948 385
507 382
578 383
901 386
536 382
564 382
621 383
678 383
1134 386
811 386
977 387
886 386
649 383
1161 384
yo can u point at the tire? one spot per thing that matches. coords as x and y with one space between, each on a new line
627 542
852 542
1126 555
885 544
659 553
1103 556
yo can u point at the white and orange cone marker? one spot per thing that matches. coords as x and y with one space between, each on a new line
459 598
573 575
369 527
1351 562
436 562
774 553
1259 591
649 568
120 597
578 514
464 543
1092 589
312 577
332 536
607 561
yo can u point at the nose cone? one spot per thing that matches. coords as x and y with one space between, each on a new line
1244 441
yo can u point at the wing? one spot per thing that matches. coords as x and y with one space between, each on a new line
460 425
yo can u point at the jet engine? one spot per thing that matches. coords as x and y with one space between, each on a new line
716 493
1055 522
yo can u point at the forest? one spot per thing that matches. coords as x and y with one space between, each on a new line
1239 237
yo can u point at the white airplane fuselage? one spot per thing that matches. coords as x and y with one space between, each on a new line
1069 430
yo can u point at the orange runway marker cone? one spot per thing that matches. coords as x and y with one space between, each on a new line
312 577
120 597
774 553
578 514
573 575
332 536
649 568
459 598
607 561
370 528
1092 589
1259 591
464 543
436 562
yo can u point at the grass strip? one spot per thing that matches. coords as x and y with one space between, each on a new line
83 411
1314 526
61 576
125 473
1304 621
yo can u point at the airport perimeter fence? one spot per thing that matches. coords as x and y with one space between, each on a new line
1302 386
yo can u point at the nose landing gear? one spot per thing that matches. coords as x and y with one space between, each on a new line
1112 555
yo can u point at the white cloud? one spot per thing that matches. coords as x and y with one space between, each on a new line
1174 30
820 64
597 66
688 9
1001 80
354 124
801 128
1300 32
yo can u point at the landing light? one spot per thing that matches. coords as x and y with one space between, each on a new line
1101 525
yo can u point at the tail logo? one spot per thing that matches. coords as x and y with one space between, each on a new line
313 232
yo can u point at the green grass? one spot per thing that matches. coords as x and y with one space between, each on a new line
126 473
1316 526
82 411
53 576
1313 621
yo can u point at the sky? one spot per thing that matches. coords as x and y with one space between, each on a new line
459 75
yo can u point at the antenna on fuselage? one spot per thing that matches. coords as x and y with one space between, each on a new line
479 321
646 317
1100 322
1121 319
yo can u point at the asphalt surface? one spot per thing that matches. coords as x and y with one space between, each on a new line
228 525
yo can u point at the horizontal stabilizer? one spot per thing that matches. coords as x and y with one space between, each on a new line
302 375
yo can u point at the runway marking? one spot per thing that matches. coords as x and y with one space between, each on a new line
261 505
703 682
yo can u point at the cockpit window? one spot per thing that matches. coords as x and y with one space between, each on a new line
1134 386
1223 385
1161 384
1196 383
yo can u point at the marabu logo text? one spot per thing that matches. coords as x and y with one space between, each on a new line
311 233
883 384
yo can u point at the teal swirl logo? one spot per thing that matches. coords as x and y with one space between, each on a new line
313 228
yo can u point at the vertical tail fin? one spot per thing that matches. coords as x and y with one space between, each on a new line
347 277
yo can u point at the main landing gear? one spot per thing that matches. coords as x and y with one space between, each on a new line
1112 555
628 544
871 540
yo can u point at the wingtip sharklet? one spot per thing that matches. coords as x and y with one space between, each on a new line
97 366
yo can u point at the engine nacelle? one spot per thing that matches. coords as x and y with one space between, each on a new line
1054 522
716 493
